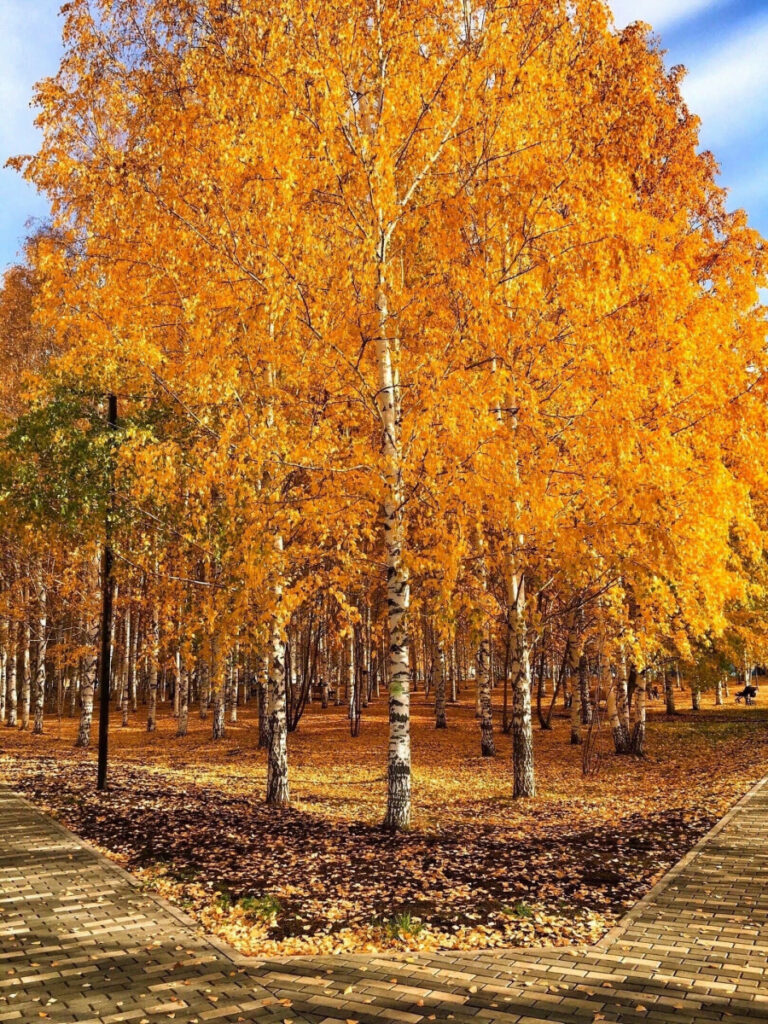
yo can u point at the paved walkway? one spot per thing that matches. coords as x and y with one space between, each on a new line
80 942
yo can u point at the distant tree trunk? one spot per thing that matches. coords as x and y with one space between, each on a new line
695 697
133 663
261 698
454 674
5 629
125 671
576 732
619 728
218 672
719 692
203 687
669 692
11 675
638 735
74 686
439 670
87 686
487 745
349 664
232 681
278 791
154 673
26 674
622 738
183 677
584 694
522 725
42 649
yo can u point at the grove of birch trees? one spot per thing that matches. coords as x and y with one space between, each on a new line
439 363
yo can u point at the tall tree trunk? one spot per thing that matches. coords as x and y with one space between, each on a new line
615 717
11 675
26 673
133 680
218 685
719 692
261 697
154 673
183 678
278 790
638 735
454 675
621 723
576 731
669 692
585 700
695 697
42 650
349 664
87 687
5 630
398 591
439 669
487 745
125 668
520 668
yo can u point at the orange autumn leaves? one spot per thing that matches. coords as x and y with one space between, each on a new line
494 216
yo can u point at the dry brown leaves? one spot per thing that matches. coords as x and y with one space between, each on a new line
477 870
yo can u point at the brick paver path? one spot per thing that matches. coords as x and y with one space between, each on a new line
80 942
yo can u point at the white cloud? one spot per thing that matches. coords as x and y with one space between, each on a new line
729 90
659 13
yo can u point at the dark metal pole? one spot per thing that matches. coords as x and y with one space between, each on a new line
107 594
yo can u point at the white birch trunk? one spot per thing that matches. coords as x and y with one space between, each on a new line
638 735
26 674
11 675
522 723
125 670
183 685
398 814
154 674
440 719
87 686
278 790
42 650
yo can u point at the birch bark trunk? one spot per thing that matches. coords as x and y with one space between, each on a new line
669 693
5 629
398 814
638 735
42 650
278 790
154 674
11 675
218 684
520 667
125 669
87 686
487 745
26 673
440 719
183 678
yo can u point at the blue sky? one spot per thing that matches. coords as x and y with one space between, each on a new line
723 43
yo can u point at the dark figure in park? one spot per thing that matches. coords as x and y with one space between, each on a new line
748 695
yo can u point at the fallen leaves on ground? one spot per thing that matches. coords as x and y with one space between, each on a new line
478 869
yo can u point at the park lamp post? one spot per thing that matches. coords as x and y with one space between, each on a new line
107 595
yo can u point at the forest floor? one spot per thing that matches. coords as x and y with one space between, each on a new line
478 869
